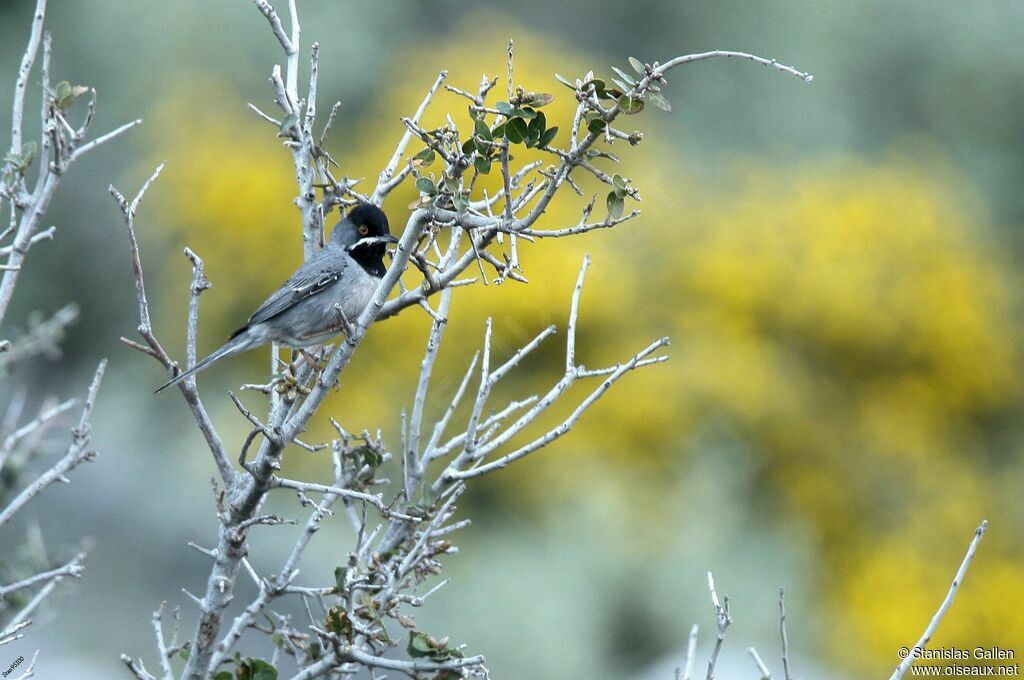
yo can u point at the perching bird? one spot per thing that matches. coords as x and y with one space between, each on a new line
304 311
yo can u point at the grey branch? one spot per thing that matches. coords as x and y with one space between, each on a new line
13 632
72 568
153 347
689 58
782 633
759 662
691 656
387 180
723 619
22 616
77 453
933 625
61 144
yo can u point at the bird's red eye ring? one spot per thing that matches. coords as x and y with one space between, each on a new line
363 230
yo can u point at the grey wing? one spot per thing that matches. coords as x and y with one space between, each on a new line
304 284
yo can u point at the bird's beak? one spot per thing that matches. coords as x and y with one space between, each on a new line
372 241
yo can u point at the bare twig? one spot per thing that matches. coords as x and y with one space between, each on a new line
723 619
929 631
77 453
691 655
385 183
782 633
759 662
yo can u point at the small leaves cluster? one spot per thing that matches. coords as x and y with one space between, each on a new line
65 94
18 162
422 645
521 122
248 669
517 122
616 201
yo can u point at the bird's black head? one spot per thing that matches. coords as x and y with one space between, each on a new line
364 234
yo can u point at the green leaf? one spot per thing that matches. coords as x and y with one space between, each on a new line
525 112
616 205
539 99
547 137
594 153
482 164
625 76
460 202
599 86
468 146
256 669
482 130
183 652
287 122
62 90
261 670
623 87
337 621
630 106
504 107
426 186
516 130
65 94
419 644
637 65
224 675
659 101
596 126
565 81
339 578
619 183
424 158
28 153
536 127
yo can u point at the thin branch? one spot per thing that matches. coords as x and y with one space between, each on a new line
137 668
374 500
45 235
77 453
37 599
275 25
387 179
103 139
73 568
689 58
30 672
161 644
723 619
926 637
145 328
691 656
759 662
21 84
782 633
13 632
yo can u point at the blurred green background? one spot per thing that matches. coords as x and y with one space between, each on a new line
838 266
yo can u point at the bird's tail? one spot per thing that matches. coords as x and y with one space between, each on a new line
235 345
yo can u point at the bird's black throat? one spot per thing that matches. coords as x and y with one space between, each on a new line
371 259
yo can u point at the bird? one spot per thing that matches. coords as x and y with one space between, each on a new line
322 296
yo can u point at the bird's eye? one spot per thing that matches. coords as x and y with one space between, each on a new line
364 230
